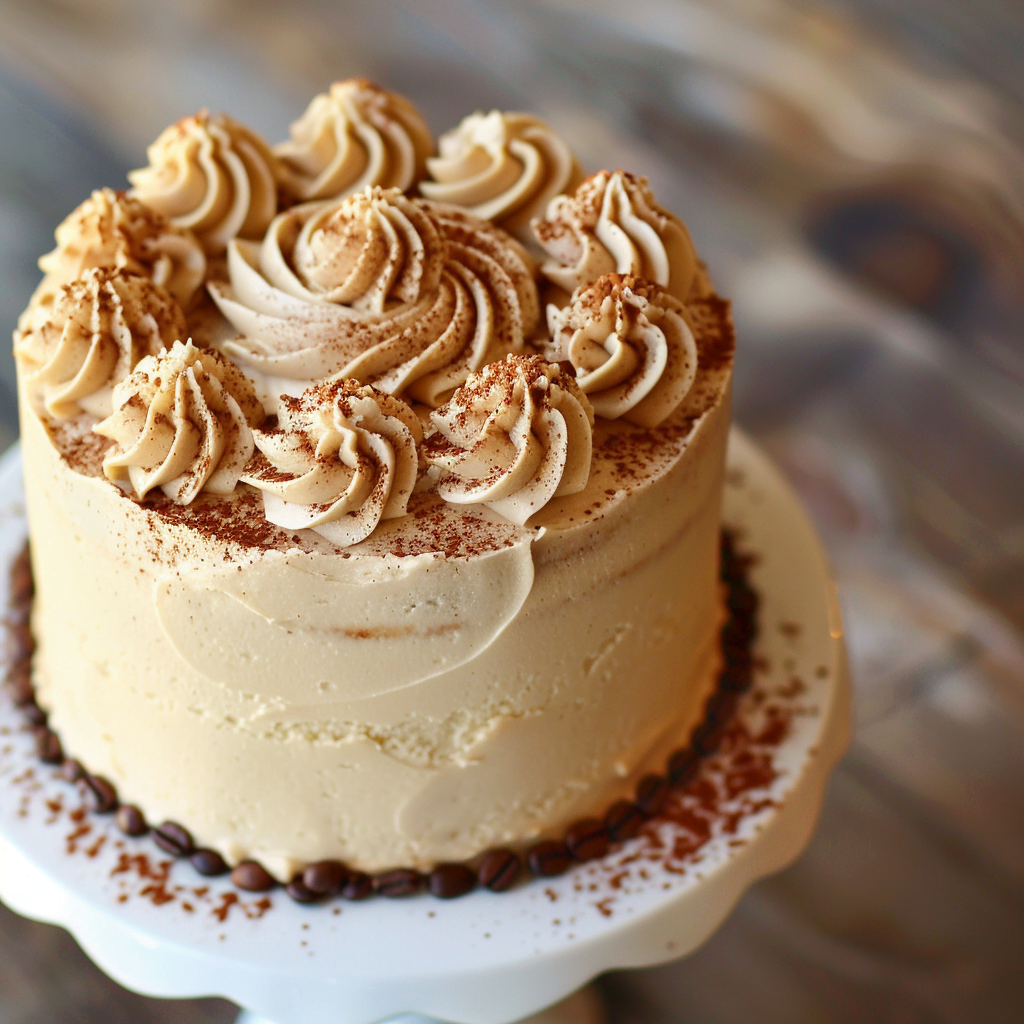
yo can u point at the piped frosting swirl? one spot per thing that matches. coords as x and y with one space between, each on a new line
408 295
634 352
102 324
502 166
343 457
612 224
182 421
212 175
514 436
111 229
353 136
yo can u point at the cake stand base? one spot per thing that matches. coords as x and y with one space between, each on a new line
160 929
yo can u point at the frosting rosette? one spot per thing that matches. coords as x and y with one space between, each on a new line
100 326
407 295
612 224
502 166
113 230
343 457
182 421
352 136
514 436
631 346
212 175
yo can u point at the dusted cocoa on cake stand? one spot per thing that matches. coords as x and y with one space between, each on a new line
161 929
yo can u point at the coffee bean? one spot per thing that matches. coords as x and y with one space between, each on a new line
358 886
499 870
48 747
548 859
720 706
33 713
651 792
21 579
623 820
173 839
399 882
19 682
131 821
707 738
300 892
252 877
447 881
209 863
587 839
72 770
683 766
20 644
325 878
742 599
100 794
736 678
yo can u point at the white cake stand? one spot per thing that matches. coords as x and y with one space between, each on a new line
484 958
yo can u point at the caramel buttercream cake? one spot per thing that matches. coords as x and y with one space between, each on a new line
374 489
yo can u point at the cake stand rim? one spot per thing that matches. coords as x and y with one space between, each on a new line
141 960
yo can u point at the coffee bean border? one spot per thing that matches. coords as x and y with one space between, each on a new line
497 870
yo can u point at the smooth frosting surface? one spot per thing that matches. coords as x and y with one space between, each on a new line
342 458
353 136
502 166
101 325
212 175
181 422
407 295
633 351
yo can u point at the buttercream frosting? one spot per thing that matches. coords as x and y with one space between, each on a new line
354 135
100 327
343 457
502 166
631 346
513 437
182 421
408 295
611 223
211 174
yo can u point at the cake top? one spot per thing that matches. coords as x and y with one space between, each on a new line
361 341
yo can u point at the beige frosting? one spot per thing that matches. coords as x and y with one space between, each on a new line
408 295
634 353
513 437
181 422
502 166
354 135
611 223
111 229
343 458
212 175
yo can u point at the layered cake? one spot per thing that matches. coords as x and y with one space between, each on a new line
373 487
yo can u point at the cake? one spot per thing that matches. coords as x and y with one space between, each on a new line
374 491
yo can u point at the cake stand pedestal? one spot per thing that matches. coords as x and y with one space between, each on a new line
485 958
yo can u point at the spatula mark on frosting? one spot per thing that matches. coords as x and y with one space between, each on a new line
502 166
634 352
212 175
513 437
353 136
343 458
182 422
101 326
611 223
407 295
113 230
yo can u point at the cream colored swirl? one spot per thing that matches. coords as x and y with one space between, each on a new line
182 422
110 229
343 457
100 327
634 352
612 224
408 295
501 166
354 135
212 175
513 437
